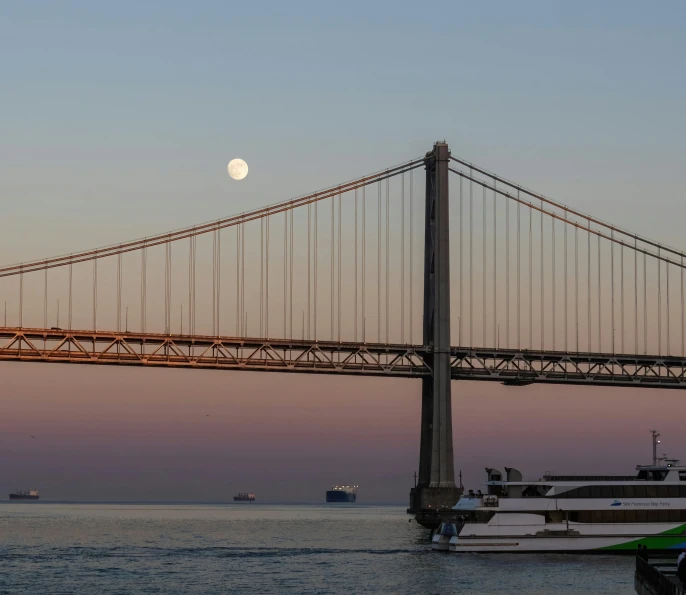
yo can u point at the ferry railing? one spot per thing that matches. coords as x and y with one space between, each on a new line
657 578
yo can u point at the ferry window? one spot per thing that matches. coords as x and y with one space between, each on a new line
672 491
607 516
641 516
682 491
584 492
642 475
629 492
663 516
629 516
682 475
640 491
608 492
651 492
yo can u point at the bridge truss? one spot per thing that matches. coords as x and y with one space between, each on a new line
511 367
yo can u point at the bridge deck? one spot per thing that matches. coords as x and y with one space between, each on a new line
513 367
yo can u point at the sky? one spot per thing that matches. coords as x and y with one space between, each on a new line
118 120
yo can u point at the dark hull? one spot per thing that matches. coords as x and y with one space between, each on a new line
340 496
22 497
237 499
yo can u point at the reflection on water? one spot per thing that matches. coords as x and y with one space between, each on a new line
253 548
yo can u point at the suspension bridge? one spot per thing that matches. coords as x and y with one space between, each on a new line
456 274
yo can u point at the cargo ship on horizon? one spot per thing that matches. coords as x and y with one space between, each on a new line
340 493
244 497
24 495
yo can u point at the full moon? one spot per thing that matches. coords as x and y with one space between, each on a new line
238 169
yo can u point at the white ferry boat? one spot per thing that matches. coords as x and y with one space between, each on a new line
572 513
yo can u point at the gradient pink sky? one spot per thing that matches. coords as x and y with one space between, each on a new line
130 434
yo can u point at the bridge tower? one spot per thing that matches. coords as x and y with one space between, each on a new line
436 487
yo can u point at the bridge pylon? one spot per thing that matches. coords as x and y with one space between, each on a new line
436 489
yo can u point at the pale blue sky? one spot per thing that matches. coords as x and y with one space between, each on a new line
118 118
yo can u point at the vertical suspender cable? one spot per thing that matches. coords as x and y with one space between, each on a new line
364 258
635 296
600 293
387 258
169 247
495 269
576 285
290 281
588 288
219 277
378 265
667 350
285 272
261 276
166 289
402 257
412 250
244 314
483 267
460 228
566 298
309 264
471 259
70 293
266 278
355 271
144 286
214 282
659 301
519 265
169 286
645 306
45 301
195 242
531 280
496 338
119 292
21 298
332 267
238 283
95 292
554 318
681 294
542 285
507 270
316 261
612 289
621 289
340 228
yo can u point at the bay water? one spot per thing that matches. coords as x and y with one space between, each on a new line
265 548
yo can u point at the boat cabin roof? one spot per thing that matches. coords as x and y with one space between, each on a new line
671 471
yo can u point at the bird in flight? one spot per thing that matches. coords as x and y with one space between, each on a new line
33 437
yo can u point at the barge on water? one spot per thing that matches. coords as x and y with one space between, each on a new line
24 495
341 493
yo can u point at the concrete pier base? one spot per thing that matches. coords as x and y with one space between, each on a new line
431 505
